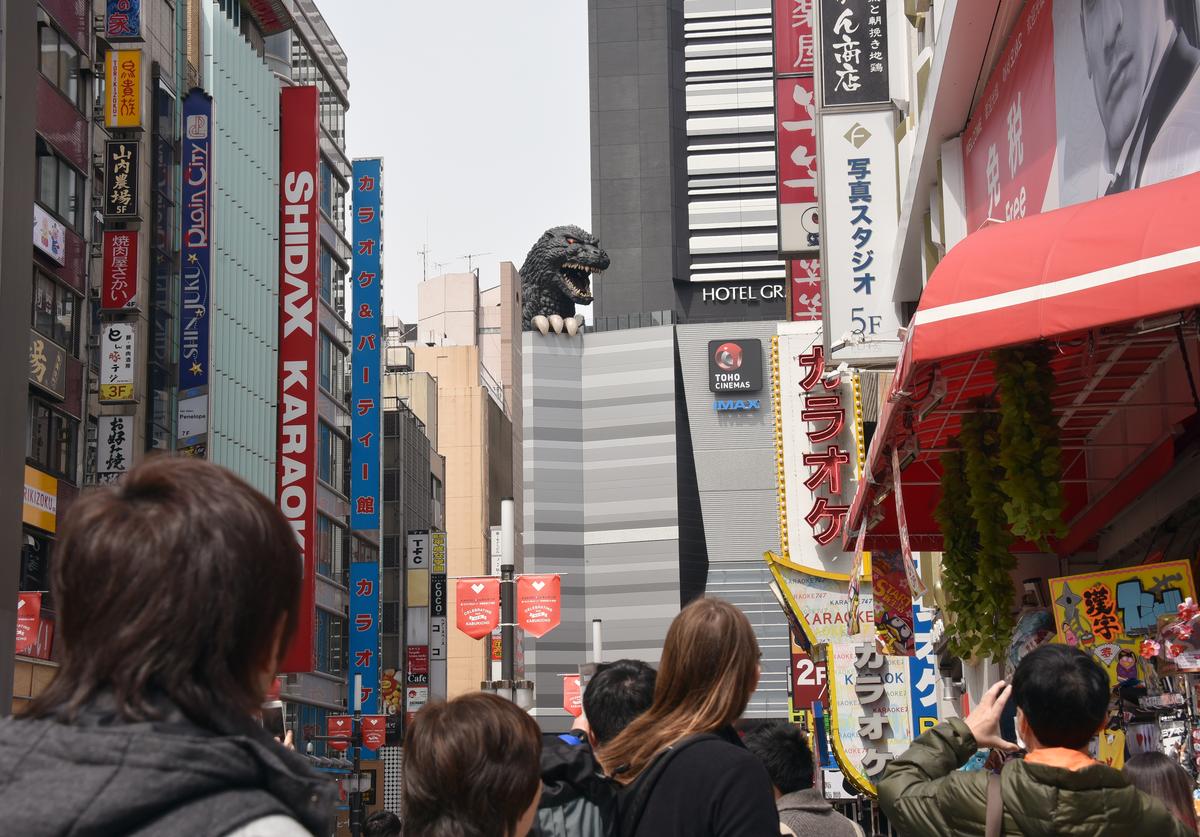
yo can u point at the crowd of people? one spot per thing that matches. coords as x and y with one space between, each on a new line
151 725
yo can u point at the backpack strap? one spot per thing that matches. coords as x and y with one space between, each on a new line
995 807
638 793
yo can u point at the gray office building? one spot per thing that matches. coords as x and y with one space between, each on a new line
683 161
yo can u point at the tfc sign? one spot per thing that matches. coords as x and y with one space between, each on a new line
296 480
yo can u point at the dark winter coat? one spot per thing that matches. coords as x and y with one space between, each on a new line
808 814
577 799
922 794
712 788
101 776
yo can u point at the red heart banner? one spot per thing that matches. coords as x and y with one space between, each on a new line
572 694
339 725
539 603
478 606
374 731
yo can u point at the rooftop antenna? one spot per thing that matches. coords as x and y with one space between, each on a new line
470 257
424 254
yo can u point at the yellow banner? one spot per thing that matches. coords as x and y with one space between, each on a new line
1109 613
123 108
418 588
41 500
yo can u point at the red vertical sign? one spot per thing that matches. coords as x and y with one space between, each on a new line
539 603
297 442
374 731
806 289
119 284
29 620
794 46
339 725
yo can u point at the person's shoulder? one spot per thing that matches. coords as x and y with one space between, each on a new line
272 826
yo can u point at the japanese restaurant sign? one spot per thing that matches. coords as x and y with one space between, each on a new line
121 178
796 126
1110 612
117 372
854 52
795 53
47 365
123 106
119 284
123 19
114 449
366 460
805 277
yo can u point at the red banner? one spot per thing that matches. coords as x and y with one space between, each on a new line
339 725
29 620
120 280
478 606
572 694
539 602
806 289
1010 142
374 731
297 441
893 604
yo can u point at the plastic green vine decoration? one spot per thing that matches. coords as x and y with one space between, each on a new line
1030 450
989 612
959 549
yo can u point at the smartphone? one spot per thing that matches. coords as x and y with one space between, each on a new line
272 718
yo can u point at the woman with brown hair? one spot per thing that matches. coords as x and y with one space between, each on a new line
472 768
177 591
1158 776
685 770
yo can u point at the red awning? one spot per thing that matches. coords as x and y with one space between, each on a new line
1105 282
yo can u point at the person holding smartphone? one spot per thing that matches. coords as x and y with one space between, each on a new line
1062 698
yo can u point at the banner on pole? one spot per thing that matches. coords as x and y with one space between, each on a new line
539 603
478 610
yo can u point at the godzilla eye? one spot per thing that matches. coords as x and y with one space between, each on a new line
571 241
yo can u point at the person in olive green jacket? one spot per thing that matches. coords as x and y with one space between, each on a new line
1062 698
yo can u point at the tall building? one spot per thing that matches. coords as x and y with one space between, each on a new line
683 161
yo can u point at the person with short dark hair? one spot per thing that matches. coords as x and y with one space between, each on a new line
578 800
471 769
783 750
382 824
176 591
1062 698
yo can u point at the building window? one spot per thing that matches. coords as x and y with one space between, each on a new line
393 546
436 488
333 368
391 618
52 441
326 188
331 645
331 458
329 549
391 485
59 187
55 311
59 62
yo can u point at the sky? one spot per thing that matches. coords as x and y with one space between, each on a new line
480 112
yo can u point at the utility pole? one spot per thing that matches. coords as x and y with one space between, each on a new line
356 740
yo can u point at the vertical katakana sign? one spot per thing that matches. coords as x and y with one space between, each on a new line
854 52
364 631
366 320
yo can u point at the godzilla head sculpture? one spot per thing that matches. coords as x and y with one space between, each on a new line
556 275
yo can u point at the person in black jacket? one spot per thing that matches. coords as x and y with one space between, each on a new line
684 770
578 800
176 592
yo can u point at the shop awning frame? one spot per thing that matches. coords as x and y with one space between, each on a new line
1112 287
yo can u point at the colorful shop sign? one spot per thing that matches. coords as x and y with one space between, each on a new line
123 107
1106 613
123 19
870 710
364 631
366 444
117 370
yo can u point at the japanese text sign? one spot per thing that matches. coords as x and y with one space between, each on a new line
860 212
806 289
854 52
364 629
117 362
47 365
539 602
114 448
40 508
123 19
478 605
296 472
366 322
796 141
121 178
123 107
119 285
1105 613
871 716
794 48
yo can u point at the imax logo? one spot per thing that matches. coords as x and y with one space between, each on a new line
735 405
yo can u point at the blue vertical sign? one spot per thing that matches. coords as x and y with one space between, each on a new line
364 632
196 288
922 673
366 321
